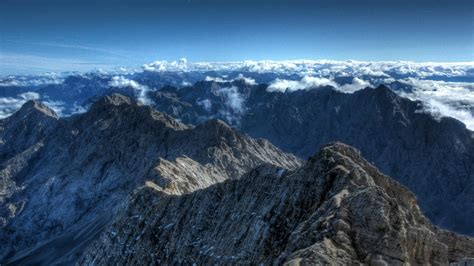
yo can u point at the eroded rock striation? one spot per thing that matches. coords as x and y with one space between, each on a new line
63 180
336 209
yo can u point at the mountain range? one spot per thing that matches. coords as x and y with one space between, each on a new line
229 171
433 157
64 179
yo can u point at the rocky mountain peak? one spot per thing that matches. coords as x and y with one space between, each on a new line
382 88
336 155
114 99
215 125
334 148
121 111
26 129
380 93
35 106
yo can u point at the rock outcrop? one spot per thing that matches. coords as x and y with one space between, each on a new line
337 209
63 180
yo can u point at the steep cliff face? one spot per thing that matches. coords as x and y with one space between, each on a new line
71 176
336 209
433 157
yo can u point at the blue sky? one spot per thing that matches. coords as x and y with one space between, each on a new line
66 35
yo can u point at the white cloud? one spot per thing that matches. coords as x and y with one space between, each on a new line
217 79
441 90
456 97
31 80
234 102
9 105
306 82
322 68
205 103
160 66
57 106
249 81
233 99
222 79
186 83
29 95
441 98
78 109
438 109
357 84
141 90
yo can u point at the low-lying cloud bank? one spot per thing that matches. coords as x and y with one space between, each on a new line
241 77
33 80
308 82
305 83
443 99
438 109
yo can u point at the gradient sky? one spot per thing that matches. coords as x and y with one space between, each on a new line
66 35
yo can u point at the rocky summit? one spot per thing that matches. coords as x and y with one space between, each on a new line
64 180
336 209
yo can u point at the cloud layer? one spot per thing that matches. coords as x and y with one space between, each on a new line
440 98
323 68
445 89
33 80
307 82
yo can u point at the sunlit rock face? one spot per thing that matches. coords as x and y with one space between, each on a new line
335 209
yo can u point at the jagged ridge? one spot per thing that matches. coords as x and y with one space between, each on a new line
433 157
336 209
87 166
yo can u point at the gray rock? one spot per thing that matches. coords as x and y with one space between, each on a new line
337 209
433 157
63 180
